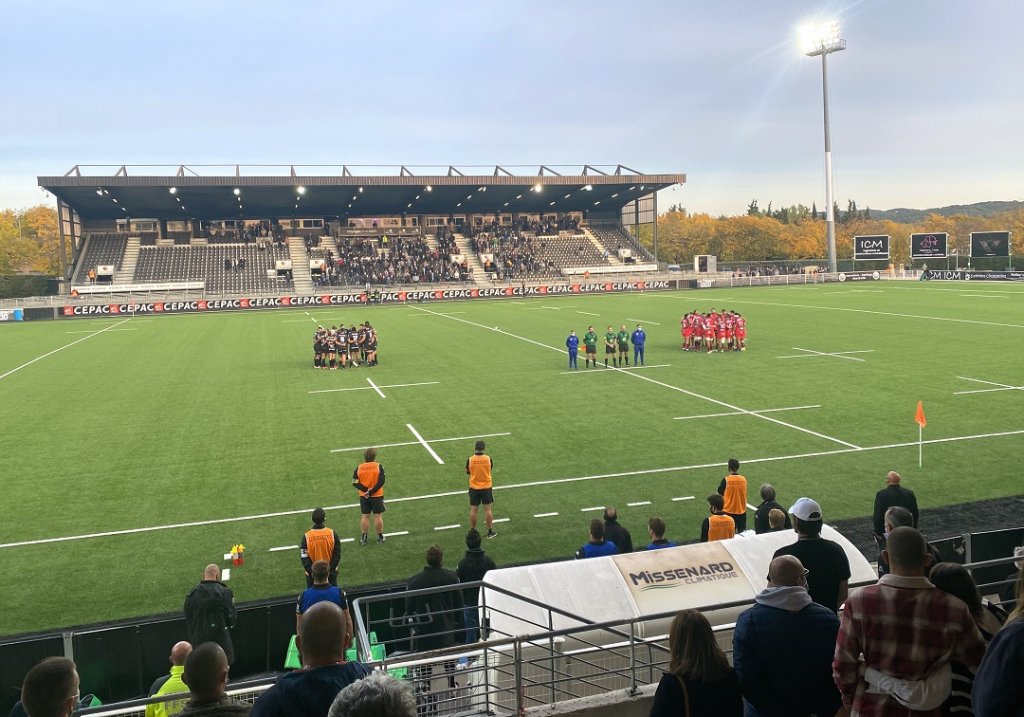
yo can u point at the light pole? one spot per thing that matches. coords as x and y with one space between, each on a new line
822 38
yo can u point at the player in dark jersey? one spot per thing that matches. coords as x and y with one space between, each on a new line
371 345
363 335
353 345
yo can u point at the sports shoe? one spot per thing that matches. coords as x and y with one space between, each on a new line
362 540
491 534
380 537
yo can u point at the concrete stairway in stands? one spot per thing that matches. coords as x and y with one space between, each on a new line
479 275
126 273
300 266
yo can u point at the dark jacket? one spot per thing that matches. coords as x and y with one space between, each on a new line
888 497
784 635
998 690
308 692
471 569
209 612
761 524
434 618
223 706
720 698
618 535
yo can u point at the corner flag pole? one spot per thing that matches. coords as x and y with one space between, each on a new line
921 423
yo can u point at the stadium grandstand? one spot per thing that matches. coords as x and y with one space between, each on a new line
230 230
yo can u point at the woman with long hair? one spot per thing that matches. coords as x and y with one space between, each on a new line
699 681
998 688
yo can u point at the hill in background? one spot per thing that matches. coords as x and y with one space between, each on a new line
979 209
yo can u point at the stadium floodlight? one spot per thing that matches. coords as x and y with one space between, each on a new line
237 191
173 190
99 192
429 188
538 187
360 190
300 190
588 188
822 38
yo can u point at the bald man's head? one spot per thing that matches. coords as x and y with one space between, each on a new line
321 639
180 652
786 571
212 572
893 478
206 671
907 553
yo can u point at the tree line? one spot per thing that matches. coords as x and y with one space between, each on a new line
29 241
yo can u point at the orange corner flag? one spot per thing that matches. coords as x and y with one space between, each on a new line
919 418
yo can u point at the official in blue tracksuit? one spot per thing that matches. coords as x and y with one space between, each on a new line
638 338
573 344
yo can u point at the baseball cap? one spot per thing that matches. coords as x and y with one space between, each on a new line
806 509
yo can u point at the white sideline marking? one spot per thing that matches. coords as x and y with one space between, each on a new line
375 387
311 318
284 547
544 515
683 497
294 321
638 503
65 346
641 321
751 507
985 296
620 368
658 383
587 313
1002 387
836 354
426 445
416 443
448 527
225 575
346 540
416 313
595 507
90 331
741 413
227 556
501 520
367 388
514 486
395 534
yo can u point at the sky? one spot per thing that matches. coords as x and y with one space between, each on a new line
927 101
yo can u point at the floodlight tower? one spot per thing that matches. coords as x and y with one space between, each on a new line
822 38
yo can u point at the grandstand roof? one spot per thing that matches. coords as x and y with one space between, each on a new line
209 191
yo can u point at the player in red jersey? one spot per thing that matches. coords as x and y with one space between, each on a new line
741 332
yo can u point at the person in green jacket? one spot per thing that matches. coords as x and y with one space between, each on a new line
590 344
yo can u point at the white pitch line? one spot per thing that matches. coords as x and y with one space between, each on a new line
396 533
416 443
513 486
447 527
426 445
641 321
375 387
985 296
225 574
594 507
683 497
741 413
65 346
818 354
368 388
990 383
638 503
588 313
544 515
659 383
415 313
620 368
988 390
284 547
90 331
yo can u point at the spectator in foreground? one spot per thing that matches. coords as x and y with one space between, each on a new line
310 691
206 674
170 684
998 688
210 612
733 490
472 568
718 525
778 520
615 532
784 615
934 628
378 695
698 681
656 529
899 517
322 590
892 494
435 620
829 577
1007 593
320 543
597 545
768 504
50 689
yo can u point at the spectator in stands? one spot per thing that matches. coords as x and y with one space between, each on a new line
768 503
656 530
615 532
310 691
1007 596
934 628
778 520
320 543
321 591
829 567
378 695
899 517
699 681
210 612
597 546
50 689
998 688
472 568
718 525
206 674
892 494
437 615
170 684
733 490
783 614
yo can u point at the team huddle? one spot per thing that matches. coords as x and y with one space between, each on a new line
714 331
340 347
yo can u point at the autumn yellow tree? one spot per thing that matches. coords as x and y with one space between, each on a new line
29 241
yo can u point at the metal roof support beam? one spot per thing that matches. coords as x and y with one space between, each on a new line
293 170
238 170
587 169
502 170
122 172
181 171
344 171
74 170
453 172
549 170
403 172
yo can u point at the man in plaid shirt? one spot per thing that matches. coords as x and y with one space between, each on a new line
904 627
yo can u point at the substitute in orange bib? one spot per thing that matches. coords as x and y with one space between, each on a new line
320 543
478 468
718 525
733 490
368 479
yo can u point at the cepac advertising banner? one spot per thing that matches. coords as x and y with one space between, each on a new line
705 573
929 246
871 248
360 298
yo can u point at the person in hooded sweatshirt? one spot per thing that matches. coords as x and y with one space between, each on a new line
784 615
310 691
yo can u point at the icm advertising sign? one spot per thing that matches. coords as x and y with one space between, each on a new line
871 248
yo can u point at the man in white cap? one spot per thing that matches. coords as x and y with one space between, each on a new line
829 569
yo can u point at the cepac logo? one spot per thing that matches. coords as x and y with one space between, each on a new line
687 575
542 289
69 310
286 301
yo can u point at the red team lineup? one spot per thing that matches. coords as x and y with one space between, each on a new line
713 331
